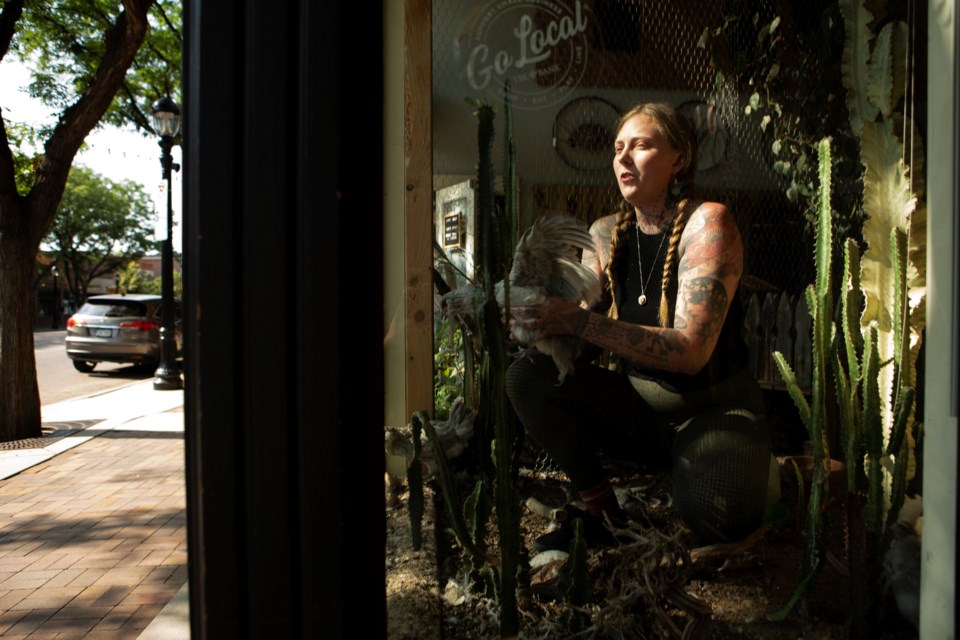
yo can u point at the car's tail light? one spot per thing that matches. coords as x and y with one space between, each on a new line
142 325
75 323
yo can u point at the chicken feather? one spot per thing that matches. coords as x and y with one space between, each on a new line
546 262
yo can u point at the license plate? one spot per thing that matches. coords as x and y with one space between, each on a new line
103 333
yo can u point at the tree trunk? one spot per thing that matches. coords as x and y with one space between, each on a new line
25 219
19 393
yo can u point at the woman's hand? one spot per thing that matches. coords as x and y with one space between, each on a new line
554 316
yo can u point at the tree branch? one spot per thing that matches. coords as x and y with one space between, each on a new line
9 16
8 180
166 20
122 40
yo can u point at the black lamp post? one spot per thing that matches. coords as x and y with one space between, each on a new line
55 324
166 122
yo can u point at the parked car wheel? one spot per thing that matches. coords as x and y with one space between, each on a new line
83 366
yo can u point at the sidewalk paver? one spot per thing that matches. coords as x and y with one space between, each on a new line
93 526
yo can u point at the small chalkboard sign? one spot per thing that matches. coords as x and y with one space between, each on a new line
453 230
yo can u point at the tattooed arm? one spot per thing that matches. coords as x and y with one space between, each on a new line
710 266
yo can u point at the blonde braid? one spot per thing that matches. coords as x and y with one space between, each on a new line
679 222
621 228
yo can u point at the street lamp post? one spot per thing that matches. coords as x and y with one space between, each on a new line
55 324
166 122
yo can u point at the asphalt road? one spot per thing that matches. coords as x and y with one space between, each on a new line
58 380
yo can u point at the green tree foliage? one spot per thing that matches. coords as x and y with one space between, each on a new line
94 61
64 43
100 226
22 141
134 279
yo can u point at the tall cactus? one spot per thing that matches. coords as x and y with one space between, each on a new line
495 255
881 316
496 422
892 270
814 414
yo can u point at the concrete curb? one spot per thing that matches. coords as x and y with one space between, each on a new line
173 621
91 415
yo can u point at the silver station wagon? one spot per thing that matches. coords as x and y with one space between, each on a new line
119 328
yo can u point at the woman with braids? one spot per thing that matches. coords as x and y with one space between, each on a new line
681 396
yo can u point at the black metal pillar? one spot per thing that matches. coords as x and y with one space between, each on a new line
168 372
283 365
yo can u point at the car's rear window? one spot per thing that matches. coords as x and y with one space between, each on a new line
114 308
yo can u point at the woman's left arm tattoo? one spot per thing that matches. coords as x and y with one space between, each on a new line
705 306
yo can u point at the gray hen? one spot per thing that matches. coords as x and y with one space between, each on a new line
546 263
454 435
902 562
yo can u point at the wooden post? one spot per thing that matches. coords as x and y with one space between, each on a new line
418 207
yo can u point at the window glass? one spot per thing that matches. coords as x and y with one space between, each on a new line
114 308
573 66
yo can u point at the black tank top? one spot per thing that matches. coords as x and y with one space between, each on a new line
729 354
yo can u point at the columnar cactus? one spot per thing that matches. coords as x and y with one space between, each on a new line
872 360
496 423
814 413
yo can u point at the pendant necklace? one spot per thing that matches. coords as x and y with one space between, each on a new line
642 300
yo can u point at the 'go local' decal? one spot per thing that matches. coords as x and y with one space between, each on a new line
539 46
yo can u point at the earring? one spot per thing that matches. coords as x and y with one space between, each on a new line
676 187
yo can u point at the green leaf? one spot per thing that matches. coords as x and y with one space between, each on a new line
704 38
782 167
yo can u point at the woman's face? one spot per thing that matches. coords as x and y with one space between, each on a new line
644 162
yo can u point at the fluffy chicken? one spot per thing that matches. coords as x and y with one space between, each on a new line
454 435
546 263
902 562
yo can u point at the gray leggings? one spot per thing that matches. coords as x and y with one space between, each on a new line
714 441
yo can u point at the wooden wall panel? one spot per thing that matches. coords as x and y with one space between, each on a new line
418 207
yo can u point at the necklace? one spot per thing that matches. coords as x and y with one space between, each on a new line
642 300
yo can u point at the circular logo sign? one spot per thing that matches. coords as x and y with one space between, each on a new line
538 47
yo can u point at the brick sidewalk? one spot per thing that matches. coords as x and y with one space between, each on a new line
93 541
